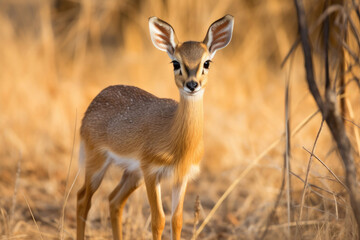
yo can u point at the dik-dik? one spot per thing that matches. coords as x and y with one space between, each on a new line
151 138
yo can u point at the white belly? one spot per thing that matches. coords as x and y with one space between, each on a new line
128 163
132 164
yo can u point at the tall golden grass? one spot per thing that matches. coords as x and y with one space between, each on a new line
55 56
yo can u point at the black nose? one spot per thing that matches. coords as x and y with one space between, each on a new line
191 85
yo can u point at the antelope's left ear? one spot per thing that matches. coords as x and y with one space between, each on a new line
219 34
162 35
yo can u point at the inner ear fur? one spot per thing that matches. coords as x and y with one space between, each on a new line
162 35
219 34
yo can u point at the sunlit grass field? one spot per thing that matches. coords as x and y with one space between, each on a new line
55 56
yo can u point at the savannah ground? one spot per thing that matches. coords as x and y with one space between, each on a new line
55 56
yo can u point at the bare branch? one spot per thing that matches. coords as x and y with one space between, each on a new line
332 173
308 171
304 36
333 8
326 46
331 116
354 30
351 53
287 153
356 7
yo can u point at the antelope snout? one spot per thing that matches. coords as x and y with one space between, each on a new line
192 85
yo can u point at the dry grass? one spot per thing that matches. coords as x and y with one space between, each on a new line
54 61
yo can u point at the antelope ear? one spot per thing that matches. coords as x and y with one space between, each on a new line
219 34
162 35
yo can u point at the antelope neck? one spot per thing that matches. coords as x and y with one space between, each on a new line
188 121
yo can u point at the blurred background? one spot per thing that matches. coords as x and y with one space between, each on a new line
56 56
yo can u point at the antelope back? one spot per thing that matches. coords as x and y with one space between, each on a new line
124 118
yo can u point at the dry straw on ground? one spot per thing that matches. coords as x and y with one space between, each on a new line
55 56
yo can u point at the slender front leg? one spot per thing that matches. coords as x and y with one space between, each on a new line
157 213
178 194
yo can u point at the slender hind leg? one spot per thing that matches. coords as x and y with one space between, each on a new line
96 166
130 181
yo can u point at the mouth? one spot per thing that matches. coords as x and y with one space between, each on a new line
195 92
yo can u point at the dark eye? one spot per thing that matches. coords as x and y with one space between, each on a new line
207 64
176 65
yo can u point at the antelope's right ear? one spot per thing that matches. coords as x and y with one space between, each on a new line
162 35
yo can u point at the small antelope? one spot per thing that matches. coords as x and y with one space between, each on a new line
151 138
